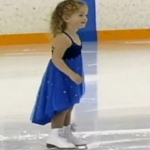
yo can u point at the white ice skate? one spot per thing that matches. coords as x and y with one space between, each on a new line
57 139
72 138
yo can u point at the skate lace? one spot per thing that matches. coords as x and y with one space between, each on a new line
73 127
61 134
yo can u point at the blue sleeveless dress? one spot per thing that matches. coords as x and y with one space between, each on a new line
57 91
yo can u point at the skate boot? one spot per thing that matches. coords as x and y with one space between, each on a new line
57 139
71 137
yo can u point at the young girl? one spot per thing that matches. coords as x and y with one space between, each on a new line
63 82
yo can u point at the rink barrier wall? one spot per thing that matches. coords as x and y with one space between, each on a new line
87 34
45 38
124 35
24 39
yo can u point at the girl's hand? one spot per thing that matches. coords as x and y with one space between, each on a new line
77 78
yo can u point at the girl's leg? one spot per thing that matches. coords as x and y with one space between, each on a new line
59 119
56 136
67 120
68 131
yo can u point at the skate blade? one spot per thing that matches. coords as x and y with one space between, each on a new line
82 147
50 146
58 148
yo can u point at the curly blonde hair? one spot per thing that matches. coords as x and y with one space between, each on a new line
66 7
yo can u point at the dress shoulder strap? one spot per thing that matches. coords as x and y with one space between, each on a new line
69 36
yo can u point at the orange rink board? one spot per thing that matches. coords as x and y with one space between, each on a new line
45 38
